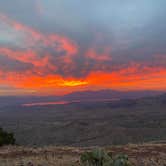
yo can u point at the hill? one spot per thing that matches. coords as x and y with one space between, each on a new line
100 95
88 123
108 94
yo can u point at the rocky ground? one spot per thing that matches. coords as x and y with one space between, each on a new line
139 155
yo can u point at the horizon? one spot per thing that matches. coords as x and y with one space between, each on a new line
83 91
55 47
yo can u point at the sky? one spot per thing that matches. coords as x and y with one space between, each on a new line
54 47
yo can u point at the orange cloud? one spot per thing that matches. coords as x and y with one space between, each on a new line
27 56
125 79
51 52
131 78
73 83
37 82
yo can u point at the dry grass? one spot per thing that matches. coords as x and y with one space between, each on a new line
140 155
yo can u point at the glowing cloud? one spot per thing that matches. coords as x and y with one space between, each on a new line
73 83
57 63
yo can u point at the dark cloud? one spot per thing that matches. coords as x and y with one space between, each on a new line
76 38
11 65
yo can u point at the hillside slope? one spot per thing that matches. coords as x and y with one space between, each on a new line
88 123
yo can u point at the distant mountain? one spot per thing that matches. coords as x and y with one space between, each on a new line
100 95
108 95
97 123
7 101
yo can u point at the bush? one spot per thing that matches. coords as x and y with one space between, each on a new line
6 138
99 157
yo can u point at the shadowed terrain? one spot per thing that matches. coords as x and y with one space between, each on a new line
88 123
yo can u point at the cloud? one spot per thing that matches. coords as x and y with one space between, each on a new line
99 54
8 64
32 37
12 91
52 53
55 46
134 76
40 50
73 83
131 78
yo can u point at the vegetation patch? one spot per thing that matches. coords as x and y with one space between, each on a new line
6 138
99 157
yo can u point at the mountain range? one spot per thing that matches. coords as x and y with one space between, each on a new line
100 95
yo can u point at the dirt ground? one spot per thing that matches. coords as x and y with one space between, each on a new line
139 155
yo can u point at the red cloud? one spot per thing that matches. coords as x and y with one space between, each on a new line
34 37
131 78
28 56
40 48
44 79
134 77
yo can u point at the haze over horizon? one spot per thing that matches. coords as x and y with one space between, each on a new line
57 47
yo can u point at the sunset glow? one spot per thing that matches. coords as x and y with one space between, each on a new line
48 58
73 83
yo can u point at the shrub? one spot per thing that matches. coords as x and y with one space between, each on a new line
98 157
6 138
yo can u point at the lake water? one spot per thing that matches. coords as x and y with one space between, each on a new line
46 103
66 102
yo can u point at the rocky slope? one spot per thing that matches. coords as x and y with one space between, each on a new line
139 155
